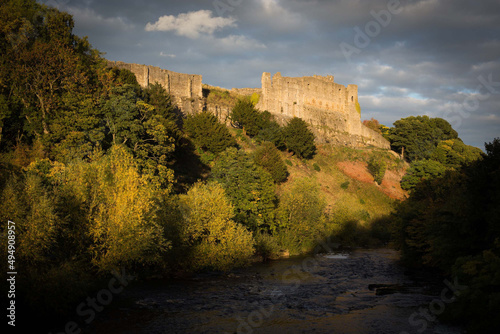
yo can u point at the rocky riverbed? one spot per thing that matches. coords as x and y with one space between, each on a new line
360 291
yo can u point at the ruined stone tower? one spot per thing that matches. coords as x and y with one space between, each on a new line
330 108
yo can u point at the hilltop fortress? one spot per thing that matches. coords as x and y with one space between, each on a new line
331 109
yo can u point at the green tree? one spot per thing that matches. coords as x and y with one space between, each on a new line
208 133
157 96
302 209
377 168
453 153
271 131
419 136
299 138
268 157
250 189
214 240
422 170
247 117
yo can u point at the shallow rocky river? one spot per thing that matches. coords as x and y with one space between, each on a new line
360 291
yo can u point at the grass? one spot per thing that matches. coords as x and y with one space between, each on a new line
346 198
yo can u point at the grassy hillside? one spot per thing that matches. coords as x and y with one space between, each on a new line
349 190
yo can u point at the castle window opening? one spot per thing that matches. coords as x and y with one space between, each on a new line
352 98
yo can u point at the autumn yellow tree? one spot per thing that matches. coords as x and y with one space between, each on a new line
214 239
121 210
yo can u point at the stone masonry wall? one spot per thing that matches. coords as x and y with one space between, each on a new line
329 107
186 89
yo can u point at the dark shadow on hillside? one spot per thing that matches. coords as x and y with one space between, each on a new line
188 167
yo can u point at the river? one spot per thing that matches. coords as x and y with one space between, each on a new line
359 291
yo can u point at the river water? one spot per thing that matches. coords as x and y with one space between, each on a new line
360 291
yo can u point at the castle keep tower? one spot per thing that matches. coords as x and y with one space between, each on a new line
330 108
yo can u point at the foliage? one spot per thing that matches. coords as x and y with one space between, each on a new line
420 171
268 157
419 136
266 245
255 98
250 189
316 167
214 239
288 162
377 168
302 209
247 117
373 124
208 133
28 203
452 223
345 185
122 211
271 131
299 138
453 153
219 96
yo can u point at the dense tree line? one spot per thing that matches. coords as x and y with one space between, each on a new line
452 222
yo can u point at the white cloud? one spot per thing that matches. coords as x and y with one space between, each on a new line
192 24
239 41
168 55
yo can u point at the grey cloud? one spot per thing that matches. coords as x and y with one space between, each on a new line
426 61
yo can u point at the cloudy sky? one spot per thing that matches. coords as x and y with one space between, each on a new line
408 57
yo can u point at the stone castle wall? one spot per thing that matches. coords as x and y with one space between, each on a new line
186 89
329 107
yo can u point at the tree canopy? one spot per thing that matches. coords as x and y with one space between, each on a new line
208 133
299 138
419 136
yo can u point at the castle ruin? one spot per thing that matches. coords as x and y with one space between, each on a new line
185 89
331 109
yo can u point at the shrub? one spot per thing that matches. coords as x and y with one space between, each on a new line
266 246
215 241
316 167
255 98
288 162
345 185
377 168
